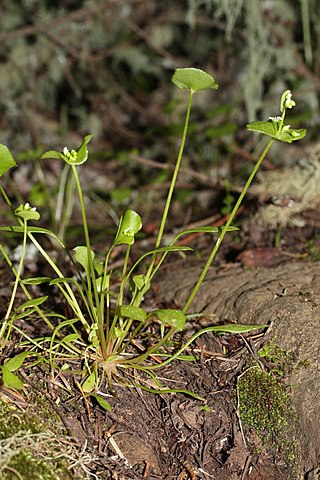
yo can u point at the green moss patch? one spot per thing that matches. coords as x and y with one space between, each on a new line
265 406
28 451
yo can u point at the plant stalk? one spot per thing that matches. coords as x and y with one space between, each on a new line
225 229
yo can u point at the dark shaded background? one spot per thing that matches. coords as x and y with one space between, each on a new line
72 67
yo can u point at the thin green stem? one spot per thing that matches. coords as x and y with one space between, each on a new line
91 279
172 186
85 230
225 228
17 279
5 196
175 173
65 201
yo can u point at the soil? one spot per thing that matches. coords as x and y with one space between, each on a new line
173 436
265 275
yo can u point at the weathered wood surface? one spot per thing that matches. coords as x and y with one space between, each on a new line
289 297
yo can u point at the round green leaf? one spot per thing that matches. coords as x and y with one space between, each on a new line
139 281
6 159
193 79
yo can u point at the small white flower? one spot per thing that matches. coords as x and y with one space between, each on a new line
286 101
289 103
65 151
275 119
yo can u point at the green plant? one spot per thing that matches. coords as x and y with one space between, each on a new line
106 324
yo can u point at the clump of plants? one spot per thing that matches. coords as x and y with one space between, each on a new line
107 320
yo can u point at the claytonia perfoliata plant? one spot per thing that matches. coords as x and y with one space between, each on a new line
106 317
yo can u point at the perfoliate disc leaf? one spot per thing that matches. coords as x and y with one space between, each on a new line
74 157
193 79
27 213
82 151
129 225
53 154
270 129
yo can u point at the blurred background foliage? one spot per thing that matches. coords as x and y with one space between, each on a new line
76 66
